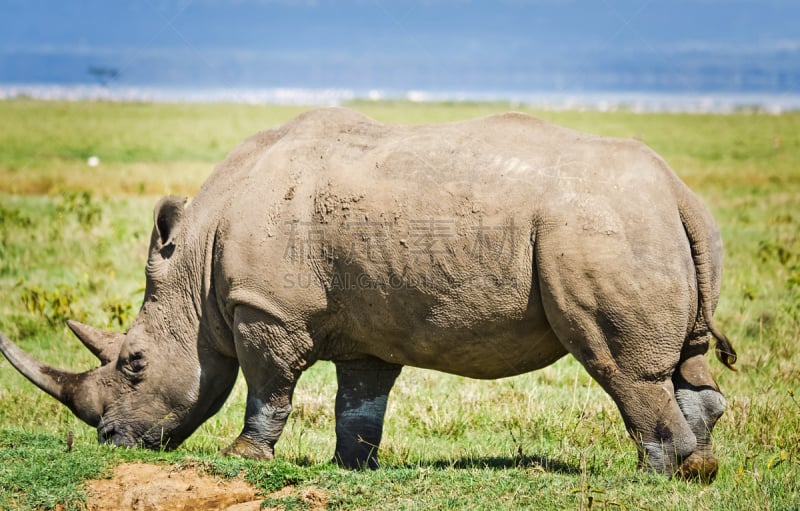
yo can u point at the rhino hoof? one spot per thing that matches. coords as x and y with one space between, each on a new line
699 467
248 449
370 463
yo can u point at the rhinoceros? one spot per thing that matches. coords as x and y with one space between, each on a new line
484 248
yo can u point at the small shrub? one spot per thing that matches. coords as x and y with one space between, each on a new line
12 220
789 258
120 312
56 305
770 250
82 206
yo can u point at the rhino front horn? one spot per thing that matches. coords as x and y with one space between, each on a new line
68 387
103 344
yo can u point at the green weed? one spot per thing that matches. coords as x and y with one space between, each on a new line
80 206
55 305
120 312
11 218
36 472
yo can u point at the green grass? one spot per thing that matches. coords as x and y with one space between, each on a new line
73 242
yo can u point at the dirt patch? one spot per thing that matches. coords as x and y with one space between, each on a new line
315 498
143 487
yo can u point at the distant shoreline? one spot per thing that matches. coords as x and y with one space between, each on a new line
633 101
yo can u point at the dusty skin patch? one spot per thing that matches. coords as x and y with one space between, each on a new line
144 487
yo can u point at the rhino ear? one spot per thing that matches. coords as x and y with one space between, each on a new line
166 217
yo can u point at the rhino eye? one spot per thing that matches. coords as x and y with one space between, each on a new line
134 364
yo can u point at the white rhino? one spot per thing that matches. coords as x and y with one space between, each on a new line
485 248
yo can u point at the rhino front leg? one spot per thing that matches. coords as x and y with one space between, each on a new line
272 359
364 387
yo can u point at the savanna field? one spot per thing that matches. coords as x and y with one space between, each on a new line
73 243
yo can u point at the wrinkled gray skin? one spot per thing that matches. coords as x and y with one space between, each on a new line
485 248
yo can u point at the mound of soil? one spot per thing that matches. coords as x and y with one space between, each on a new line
143 487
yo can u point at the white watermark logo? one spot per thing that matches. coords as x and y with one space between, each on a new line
431 252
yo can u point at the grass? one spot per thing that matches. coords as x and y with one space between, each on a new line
73 245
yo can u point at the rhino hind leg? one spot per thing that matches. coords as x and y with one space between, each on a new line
272 357
363 392
651 413
622 306
669 417
702 404
640 383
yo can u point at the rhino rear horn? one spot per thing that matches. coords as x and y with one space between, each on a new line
76 390
103 344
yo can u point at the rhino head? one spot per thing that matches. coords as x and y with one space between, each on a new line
159 381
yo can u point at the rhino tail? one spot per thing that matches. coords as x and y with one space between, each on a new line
706 247
724 349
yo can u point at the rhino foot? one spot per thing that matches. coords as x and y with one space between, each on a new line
243 447
698 467
363 460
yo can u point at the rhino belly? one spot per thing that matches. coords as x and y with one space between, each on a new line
488 354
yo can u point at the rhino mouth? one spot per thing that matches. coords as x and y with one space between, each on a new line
109 435
112 436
